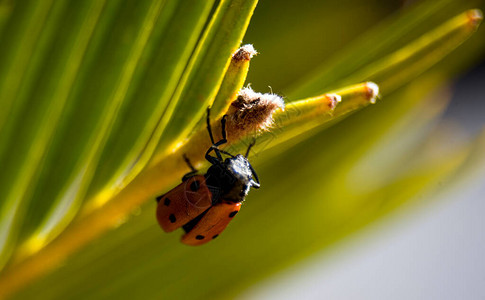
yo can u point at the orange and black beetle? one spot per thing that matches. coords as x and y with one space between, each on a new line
203 205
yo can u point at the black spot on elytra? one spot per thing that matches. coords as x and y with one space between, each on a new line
172 218
191 224
199 237
158 198
194 186
166 202
233 213
215 236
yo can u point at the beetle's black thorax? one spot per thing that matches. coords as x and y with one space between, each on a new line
230 180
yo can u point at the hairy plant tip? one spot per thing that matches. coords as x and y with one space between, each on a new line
245 52
252 112
475 17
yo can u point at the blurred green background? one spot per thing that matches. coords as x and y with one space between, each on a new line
316 192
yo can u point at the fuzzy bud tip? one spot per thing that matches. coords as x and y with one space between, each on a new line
475 17
246 52
372 91
252 111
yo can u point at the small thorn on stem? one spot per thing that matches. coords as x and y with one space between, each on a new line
372 91
333 100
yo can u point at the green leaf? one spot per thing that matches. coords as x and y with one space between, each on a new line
372 51
161 68
30 129
211 60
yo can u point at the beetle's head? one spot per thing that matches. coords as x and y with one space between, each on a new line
242 170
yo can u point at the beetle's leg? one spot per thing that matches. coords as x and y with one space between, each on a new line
254 184
187 161
192 172
159 198
214 144
208 120
223 128
226 153
223 122
213 160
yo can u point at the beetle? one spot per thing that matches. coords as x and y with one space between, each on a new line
203 205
